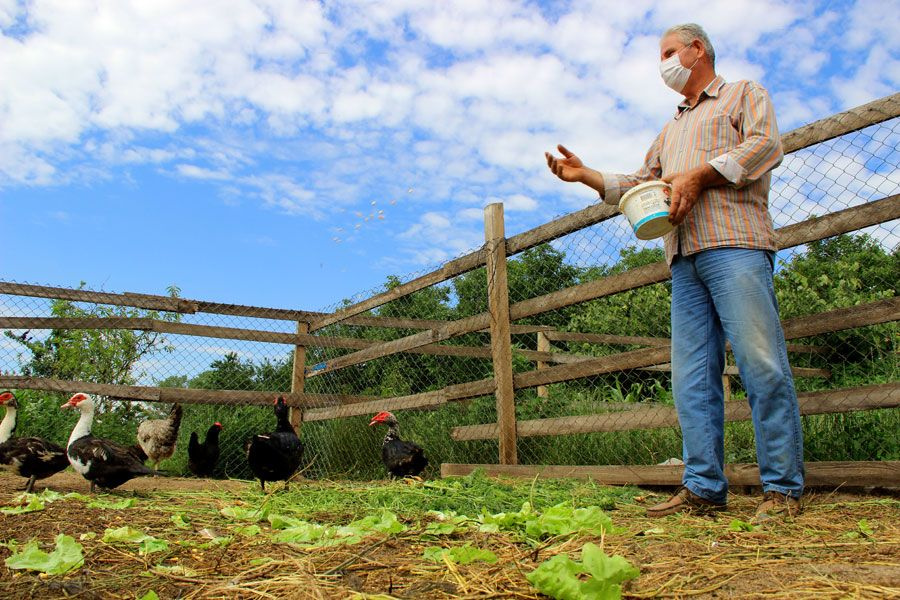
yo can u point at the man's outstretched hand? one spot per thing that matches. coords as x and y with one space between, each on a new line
567 168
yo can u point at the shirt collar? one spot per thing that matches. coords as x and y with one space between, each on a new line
710 91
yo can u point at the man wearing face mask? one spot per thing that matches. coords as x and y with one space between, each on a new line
717 154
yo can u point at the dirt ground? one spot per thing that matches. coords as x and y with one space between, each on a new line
842 546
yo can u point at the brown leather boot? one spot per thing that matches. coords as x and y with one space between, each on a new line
776 506
684 501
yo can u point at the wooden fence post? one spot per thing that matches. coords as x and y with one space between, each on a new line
298 375
501 343
543 345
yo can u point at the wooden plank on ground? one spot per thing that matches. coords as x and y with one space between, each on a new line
831 474
886 395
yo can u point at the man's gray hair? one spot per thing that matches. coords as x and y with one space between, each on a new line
688 32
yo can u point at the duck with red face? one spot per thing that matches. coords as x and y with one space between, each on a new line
31 457
401 458
102 462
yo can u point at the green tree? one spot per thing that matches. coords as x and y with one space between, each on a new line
839 272
228 373
94 355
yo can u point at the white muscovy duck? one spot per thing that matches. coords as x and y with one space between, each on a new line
102 462
31 457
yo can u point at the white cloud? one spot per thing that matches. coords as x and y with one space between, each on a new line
520 202
309 108
470 214
195 172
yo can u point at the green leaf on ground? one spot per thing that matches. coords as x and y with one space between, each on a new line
67 555
462 555
865 528
34 504
563 519
180 521
151 595
239 513
110 505
147 544
174 570
563 578
738 525
248 530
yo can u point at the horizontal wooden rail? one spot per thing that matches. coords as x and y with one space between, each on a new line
253 335
869 397
473 389
851 317
183 395
614 340
850 219
842 123
605 338
831 474
733 370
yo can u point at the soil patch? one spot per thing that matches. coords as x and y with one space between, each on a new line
843 545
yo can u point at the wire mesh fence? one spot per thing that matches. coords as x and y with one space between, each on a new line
591 367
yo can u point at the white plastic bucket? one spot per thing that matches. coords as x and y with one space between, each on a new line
647 208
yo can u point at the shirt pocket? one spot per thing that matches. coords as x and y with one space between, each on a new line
716 135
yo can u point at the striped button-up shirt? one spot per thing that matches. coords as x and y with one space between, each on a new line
732 127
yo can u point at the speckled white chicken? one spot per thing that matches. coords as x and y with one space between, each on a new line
157 437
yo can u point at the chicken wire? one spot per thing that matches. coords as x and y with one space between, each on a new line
841 272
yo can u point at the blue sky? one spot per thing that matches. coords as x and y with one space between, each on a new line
291 154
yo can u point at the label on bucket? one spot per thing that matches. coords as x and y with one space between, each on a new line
650 200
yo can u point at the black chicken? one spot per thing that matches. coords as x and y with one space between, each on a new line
275 456
31 457
202 458
102 462
401 458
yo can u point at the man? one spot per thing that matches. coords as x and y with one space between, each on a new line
717 154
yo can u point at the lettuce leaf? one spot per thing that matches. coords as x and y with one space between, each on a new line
65 556
562 578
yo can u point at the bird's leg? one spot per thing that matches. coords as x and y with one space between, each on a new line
30 485
156 468
92 487
262 485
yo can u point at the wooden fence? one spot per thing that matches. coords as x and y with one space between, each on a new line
550 366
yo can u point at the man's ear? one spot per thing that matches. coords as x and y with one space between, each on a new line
701 49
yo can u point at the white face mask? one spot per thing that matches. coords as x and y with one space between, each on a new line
674 74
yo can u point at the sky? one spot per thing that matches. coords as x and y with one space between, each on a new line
292 154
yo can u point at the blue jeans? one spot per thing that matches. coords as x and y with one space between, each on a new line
728 293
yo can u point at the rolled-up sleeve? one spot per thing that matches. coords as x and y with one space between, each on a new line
760 151
616 184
